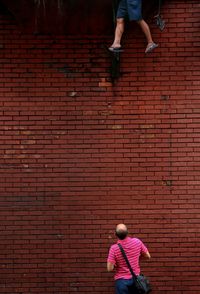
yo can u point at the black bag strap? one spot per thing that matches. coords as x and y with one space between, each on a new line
127 261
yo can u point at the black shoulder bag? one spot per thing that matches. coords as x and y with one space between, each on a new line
142 284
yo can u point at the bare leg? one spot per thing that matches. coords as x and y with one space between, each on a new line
118 33
146 30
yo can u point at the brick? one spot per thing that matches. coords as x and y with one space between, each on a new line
80 154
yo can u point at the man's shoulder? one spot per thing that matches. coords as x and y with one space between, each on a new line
113 249
136 240
114 246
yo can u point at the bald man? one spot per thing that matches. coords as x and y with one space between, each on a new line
134 249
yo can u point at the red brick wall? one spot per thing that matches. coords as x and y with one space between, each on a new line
79 155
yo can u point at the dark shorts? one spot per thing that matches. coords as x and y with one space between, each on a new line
131 9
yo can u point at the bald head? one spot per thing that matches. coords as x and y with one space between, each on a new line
121 231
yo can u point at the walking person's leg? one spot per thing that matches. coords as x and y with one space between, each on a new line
135 13
118 34
120 24
146 30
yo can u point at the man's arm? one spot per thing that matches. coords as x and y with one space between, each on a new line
110 266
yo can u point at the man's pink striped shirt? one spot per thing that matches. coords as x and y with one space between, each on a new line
133 248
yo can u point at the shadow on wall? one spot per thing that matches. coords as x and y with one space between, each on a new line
68 17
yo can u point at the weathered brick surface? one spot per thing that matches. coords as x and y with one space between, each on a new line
79 155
